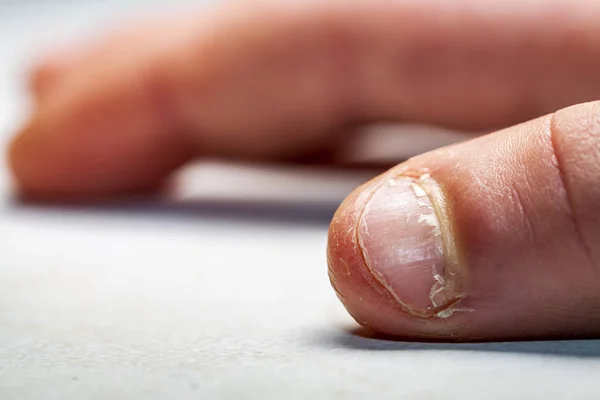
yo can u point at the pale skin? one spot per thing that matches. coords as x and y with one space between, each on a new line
519 209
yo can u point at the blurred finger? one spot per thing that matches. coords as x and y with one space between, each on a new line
279 80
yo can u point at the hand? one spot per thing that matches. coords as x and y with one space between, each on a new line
489 239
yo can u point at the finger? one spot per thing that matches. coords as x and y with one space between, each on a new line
279 80
489 239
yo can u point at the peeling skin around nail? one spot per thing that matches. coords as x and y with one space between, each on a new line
449 303
444 299
447 282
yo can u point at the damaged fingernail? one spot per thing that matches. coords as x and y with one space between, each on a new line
401 237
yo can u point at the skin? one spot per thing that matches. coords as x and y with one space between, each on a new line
278 81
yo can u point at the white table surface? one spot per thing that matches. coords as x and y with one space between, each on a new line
205 300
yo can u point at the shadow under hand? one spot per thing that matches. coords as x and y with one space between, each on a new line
363 339
247 193
239 211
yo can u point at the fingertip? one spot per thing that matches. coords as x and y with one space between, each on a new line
96 138
55 158
364 291
346 268
37 165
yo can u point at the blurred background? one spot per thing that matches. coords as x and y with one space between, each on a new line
219 291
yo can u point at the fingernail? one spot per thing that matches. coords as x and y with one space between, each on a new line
401 239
